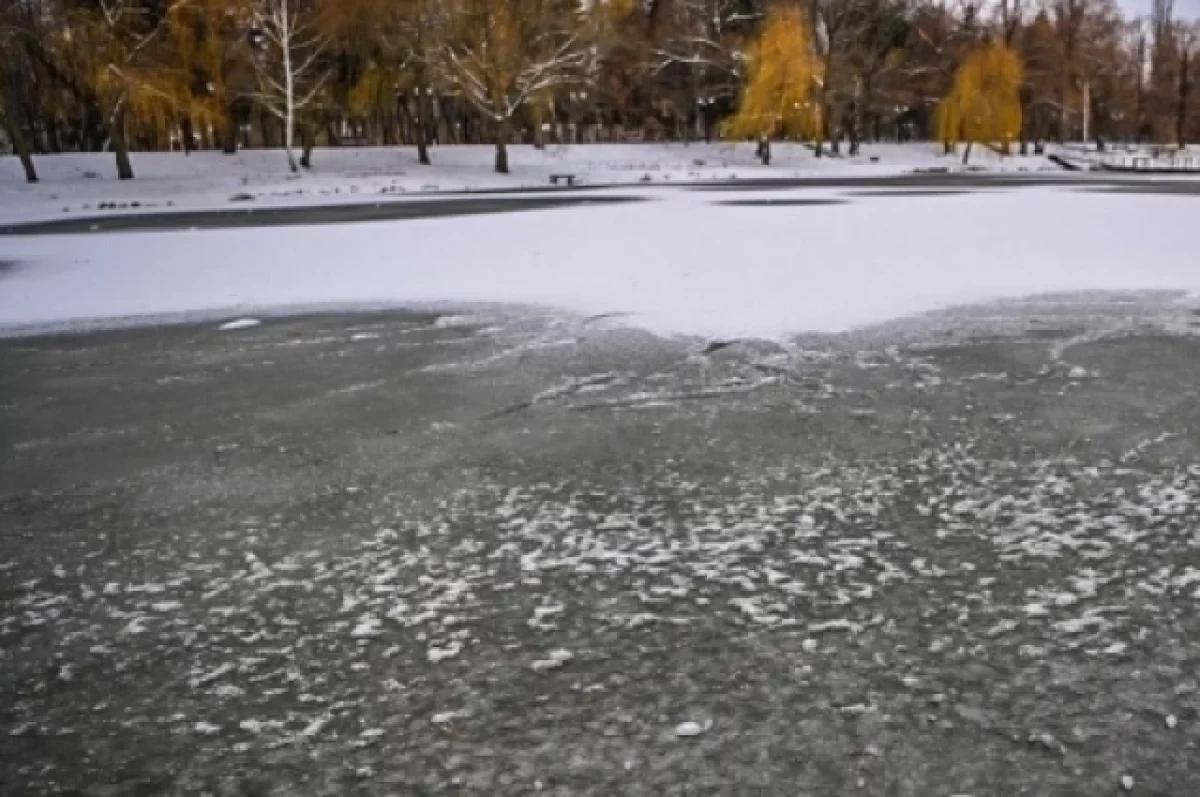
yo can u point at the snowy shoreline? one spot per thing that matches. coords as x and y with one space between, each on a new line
86 183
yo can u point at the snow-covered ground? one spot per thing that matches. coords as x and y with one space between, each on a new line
87 183
1183 163
705 263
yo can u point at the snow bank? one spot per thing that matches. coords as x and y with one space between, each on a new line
86 183
681 264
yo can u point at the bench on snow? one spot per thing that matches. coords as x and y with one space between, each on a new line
569 179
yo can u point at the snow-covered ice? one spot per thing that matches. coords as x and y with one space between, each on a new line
681 262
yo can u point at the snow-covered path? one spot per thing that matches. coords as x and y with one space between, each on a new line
696 263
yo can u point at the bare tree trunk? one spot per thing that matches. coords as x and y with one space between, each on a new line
266 128
503 131
539 135
288 133
289 100
52 140
422 145
387 126
1064 95
229 135
119 144
189 134
92 134
764 150
1024 97
855 126
1185 87
16 132
424 123
308 140
967 153
21 144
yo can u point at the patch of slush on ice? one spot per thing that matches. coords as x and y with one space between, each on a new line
556 658
455 321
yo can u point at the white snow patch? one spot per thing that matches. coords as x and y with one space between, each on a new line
691 728
239 323
367 628
315 727
260 726
556 658
135 626
835 625
444 717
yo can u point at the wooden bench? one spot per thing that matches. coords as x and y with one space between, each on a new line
569 179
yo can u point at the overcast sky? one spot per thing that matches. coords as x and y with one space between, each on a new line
1185 9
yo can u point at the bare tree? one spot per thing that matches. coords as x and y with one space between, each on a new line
831 21
1186 40
1011 16
14 72
499 54
288 63
696 49
881 28
1138 48
418 25
108 57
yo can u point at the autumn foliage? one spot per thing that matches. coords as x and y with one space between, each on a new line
984 105
124 76
783 73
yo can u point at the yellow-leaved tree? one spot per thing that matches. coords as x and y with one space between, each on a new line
984 106
783 71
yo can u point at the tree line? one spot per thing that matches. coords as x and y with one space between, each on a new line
129 75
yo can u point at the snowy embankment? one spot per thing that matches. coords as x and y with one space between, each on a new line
694 263
86 184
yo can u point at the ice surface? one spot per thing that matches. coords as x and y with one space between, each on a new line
679 264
